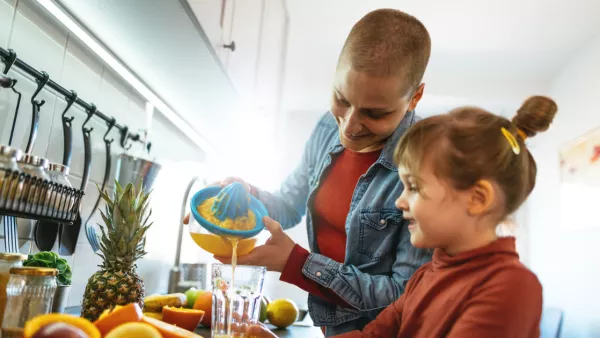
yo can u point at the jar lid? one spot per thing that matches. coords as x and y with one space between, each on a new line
9 256
44 163
11 152
34 271
57 167
31 159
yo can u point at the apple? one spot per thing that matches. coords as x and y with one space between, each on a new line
191 296
60 330
264 301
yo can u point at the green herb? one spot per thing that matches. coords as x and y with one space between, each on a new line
47 259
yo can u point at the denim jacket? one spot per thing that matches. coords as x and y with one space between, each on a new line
379 256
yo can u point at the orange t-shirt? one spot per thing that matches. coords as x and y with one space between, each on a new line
332 201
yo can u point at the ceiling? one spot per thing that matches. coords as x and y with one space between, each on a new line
164 48
481 50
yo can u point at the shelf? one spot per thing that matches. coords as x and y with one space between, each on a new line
25 196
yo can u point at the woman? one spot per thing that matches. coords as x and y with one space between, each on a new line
346 183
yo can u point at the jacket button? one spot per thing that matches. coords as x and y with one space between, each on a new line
382 222
318 274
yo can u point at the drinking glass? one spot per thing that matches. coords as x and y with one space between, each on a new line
236 301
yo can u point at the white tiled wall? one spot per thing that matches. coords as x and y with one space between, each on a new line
45 45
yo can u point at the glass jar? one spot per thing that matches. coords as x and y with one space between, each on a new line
34 192
61 200
30 292
7 262
9 187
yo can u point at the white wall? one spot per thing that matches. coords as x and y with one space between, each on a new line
567 261
45 45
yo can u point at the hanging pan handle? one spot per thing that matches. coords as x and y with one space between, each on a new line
35 114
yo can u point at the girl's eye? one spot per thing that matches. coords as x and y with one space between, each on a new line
413 188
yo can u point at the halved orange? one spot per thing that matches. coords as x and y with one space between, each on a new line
184 318
36 323
156 315
220 247
168 330
119 315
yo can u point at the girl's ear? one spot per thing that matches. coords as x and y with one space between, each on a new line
481 198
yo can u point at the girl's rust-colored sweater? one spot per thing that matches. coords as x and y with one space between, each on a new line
485 292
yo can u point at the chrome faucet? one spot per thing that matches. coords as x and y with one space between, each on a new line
175 275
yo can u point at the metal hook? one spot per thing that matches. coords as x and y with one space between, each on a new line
9 61
71 99
12 130
90 113
41 84
111 124
124 137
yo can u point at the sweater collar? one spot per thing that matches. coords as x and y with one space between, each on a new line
501 246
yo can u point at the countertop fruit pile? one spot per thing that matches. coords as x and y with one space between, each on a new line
120 322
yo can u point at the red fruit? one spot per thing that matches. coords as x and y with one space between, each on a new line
60 330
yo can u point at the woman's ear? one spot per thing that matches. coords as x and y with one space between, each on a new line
416 97
481 198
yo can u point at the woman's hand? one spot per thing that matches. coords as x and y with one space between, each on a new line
274 254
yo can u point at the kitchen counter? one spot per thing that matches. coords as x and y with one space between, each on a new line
294 331
303 329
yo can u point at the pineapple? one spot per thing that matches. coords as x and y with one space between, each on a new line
121 245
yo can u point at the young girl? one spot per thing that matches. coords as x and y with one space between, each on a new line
463 173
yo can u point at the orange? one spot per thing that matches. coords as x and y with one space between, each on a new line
168 330
220 247
134 330
204 303
119 315
184 318
36 323
157 315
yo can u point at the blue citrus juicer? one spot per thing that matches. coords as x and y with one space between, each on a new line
231 202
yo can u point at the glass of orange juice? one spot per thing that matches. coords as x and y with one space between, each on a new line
236 301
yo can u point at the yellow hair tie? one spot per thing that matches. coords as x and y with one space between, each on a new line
522 134
514 144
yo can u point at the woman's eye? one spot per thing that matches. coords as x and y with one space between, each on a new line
342 101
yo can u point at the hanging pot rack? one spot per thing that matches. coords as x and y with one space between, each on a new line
9 58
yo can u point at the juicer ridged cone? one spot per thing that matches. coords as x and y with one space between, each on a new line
232 202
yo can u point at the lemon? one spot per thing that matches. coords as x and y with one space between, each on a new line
282 313
134 330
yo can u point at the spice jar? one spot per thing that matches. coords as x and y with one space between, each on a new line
30 292
34 192
61 199
9 187
7 262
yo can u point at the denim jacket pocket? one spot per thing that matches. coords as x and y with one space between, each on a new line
379 232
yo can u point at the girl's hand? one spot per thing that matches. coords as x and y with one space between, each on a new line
259 331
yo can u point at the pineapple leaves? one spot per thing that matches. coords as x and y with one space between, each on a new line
123 233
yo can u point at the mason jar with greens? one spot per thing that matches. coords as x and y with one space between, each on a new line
7 261
30 293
